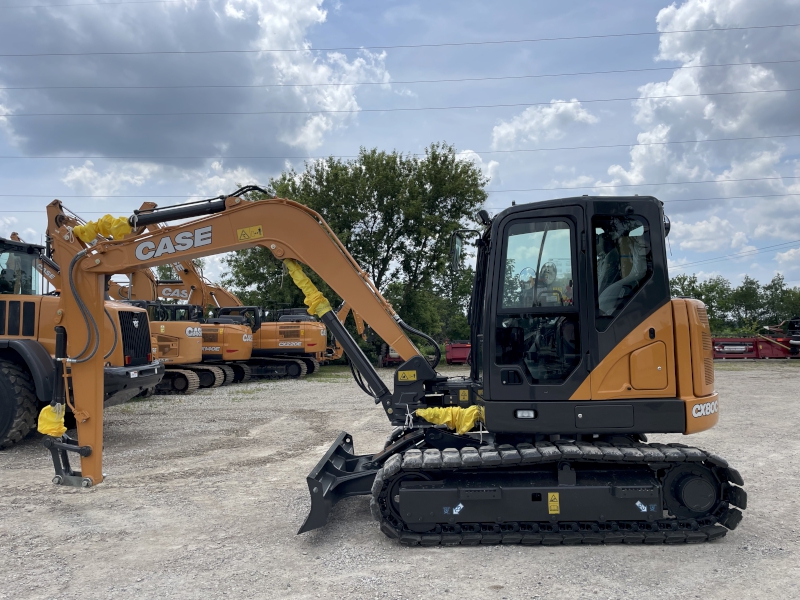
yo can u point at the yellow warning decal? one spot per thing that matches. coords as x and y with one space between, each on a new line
463 395
553 503
163 327
406 376
250 233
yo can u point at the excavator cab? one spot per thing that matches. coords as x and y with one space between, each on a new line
579 351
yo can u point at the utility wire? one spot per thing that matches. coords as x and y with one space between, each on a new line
397 109
629 185
98 4
166 157
408 82
490 191
403 46
693 199
743 253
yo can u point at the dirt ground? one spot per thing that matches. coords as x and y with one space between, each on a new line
204 496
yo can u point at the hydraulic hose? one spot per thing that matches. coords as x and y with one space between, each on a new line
114 329
87 315
411 330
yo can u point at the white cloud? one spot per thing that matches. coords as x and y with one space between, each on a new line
789 260
284 25
86 178
7 225
709 114
711 235
218 180
491 170
540 123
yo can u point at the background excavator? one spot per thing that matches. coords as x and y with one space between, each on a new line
578 352
295 335
28 343
177 345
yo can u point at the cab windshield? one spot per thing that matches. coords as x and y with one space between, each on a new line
18 273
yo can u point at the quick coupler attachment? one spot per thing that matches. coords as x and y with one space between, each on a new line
339 474
59 448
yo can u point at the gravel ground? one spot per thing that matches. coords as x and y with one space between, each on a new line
204 496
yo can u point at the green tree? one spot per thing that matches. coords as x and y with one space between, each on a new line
744 303
395 214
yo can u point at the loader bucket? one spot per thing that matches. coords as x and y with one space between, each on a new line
339 474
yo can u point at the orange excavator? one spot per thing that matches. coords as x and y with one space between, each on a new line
576 358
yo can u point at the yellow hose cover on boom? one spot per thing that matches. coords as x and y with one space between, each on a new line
107 226
51 421
316 302
455 417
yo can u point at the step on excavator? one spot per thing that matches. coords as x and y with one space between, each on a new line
176 345
579 352
28 377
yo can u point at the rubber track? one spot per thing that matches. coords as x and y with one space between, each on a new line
314 365
275 360
669 531
219 376
25 415
246 372
192 378
227 371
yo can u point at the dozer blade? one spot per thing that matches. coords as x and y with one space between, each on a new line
338 475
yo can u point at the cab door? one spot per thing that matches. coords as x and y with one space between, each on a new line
537 307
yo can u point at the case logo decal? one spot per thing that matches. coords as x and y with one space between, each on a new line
185 240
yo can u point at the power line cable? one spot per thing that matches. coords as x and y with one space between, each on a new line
694 199
490 191
266 157
99 4
396 109
630 185
408 82
402 46
743 253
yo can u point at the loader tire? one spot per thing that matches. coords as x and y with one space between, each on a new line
17 403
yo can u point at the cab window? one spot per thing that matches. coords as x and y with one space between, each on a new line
538 265
18 273
623 263
537 327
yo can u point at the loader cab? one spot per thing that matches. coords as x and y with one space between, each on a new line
558 285
20 266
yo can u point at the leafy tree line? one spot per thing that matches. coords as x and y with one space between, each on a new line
395 214
743 309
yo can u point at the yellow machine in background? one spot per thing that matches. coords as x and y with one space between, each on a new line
28 342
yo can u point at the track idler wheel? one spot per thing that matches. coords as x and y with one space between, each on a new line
691 491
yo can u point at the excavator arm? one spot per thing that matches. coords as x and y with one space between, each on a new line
291 231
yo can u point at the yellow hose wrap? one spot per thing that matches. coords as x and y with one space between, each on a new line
455 417
51 421
106 226
316 302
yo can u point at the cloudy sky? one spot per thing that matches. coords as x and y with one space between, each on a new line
599 112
